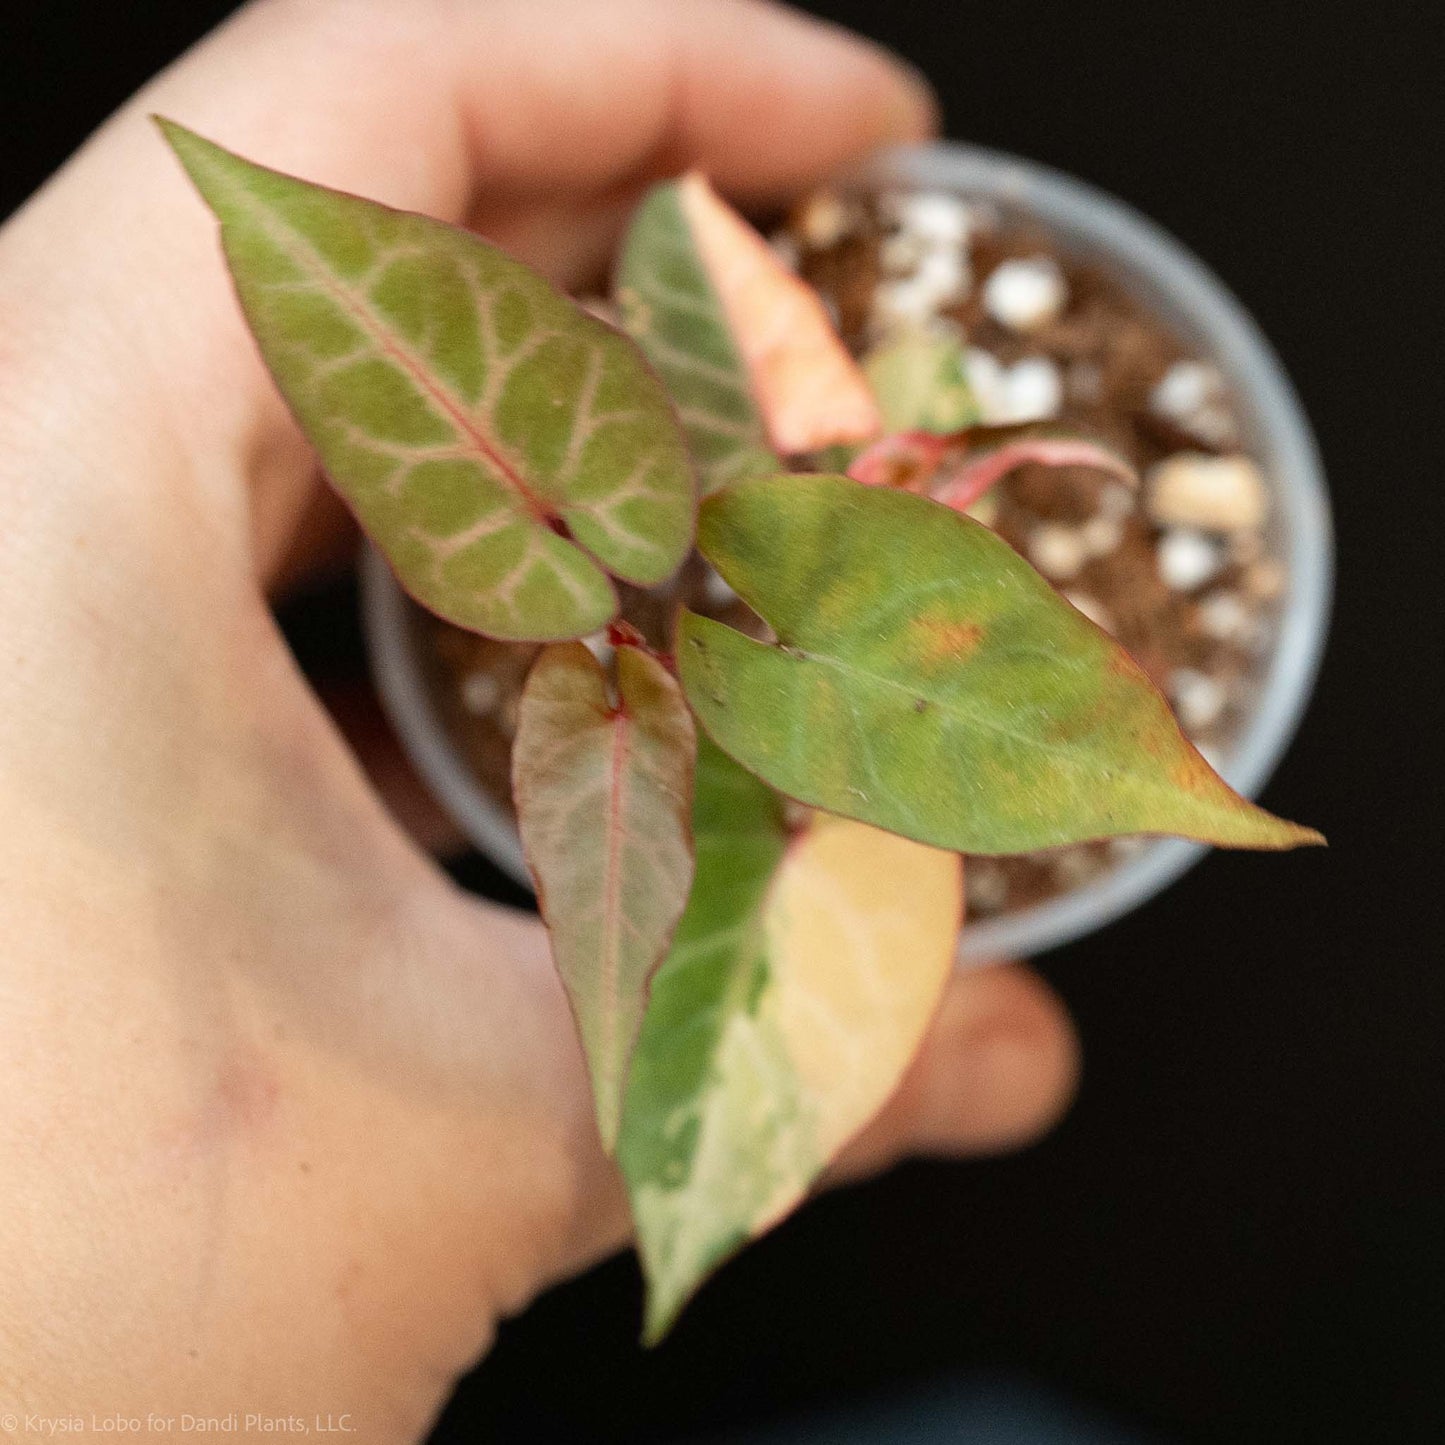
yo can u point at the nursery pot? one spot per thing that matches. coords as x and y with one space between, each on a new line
1176 287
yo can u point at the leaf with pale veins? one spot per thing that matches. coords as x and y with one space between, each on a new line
603 789
503 449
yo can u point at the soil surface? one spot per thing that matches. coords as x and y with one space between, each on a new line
1178 569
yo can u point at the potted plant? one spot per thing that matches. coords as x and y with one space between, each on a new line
1167 349
744 819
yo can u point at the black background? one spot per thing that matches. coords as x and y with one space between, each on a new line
1239 1233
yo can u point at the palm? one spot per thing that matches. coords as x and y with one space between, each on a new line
295 1116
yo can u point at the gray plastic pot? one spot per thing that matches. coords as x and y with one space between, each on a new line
1176 286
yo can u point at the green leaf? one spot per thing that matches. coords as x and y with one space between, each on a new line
603 793
464 408
927 680
799 985
921 381
672 310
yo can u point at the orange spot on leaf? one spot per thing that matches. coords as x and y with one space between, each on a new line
946 640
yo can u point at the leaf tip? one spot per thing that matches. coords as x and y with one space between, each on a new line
1239 822
1258 828
201 159
607 1107
663 1306
187 145
1300 835
808 388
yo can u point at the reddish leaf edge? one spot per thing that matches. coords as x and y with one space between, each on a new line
620 635
166 126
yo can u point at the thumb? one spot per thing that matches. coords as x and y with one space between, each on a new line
998 1069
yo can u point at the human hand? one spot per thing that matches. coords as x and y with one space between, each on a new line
290 1122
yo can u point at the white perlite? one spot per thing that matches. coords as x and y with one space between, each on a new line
1025 294
1101 535
901 302
1215 494
1226 616
1192 395
824 221
1035 390
935 217
943 273
1029 390
1058 552
1187 559
927 279
1199 700
1184 388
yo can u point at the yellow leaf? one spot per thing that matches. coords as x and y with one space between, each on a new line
863 926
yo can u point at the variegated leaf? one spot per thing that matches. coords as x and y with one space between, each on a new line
746 347
801 981
504 449
669 306
604 792
809 388
925 679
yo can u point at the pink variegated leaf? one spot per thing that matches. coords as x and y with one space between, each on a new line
810 390
603 788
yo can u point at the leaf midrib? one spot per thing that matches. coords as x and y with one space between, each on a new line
357 307
612 884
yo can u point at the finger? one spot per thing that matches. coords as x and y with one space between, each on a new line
539 117
998 1069
765 99
431 104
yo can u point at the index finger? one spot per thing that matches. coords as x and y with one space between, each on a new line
537 118
430 105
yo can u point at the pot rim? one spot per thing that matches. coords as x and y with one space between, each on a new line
1169 279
